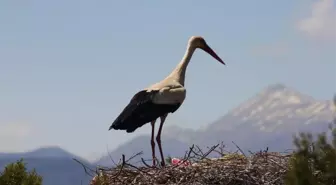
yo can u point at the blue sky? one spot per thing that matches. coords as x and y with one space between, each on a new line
67 68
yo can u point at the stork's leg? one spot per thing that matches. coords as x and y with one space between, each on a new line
158 139
153 143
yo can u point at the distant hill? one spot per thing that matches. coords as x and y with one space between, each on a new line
268 119
43 152
54 164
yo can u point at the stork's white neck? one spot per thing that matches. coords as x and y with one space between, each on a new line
179 72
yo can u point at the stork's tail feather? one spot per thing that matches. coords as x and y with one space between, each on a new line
128 130
127 125
118 126
112 127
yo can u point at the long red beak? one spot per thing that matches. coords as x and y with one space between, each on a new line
212 53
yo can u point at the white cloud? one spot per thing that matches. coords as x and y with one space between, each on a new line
321 22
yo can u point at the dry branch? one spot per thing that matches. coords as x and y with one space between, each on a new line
262 168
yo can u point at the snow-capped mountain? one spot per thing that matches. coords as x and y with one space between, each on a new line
277 107
268 119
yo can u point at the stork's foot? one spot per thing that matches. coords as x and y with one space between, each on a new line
154 161
163 164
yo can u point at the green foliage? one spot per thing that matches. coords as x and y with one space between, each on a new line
16 174
314 161
168 159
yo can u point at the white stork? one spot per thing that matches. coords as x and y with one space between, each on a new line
160 99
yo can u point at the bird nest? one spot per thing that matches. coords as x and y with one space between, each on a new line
231 169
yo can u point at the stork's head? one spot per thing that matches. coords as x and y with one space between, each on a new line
199 42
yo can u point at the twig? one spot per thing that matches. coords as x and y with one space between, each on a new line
110 156
239 148
187 157
137 154
121 168
143 161
85 167
210 150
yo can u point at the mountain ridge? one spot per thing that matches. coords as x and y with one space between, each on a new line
43 152
53 163
267 119
277 103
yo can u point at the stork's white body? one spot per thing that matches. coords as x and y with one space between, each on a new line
170 92
161 98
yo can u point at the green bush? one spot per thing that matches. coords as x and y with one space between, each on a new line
16 174
313 161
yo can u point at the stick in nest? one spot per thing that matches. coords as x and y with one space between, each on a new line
86 168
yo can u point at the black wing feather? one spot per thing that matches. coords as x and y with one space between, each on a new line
140 111
133 110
